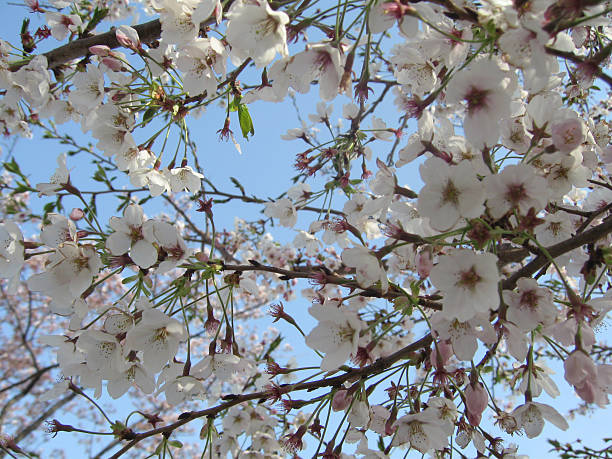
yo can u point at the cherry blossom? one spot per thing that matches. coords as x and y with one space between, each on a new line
199 60
516 187
530 417
69 272
284 210
11 251
368 268
430 300
257 31
422 430
336 335
134 234
58 180
157 336
185 178
469 283
450 192
485 89
61 25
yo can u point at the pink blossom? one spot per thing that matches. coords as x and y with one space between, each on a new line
476 399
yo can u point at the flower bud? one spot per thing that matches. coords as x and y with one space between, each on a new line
76 214
341 400
476 399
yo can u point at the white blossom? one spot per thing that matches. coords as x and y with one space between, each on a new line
336 335
468 282
257 31
157 336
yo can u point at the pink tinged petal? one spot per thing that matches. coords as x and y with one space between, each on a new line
40 282
118 243
155 357
465 347
578 368
127 37
166 266
118 386
144 254
532 421
134 215
587 391
118 323
334 360
80 283
176 330
165 234
476 399
341 400
119 225
144 381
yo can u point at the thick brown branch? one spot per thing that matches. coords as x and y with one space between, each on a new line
589 236
147 32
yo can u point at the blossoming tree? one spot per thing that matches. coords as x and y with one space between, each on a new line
438 311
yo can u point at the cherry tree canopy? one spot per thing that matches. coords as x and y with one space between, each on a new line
140 322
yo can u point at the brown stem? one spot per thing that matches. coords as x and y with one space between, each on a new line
592 235
354 374
592 62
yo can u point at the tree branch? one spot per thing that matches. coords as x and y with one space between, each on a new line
589 236
354 374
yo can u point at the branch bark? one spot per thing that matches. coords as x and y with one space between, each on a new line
354 374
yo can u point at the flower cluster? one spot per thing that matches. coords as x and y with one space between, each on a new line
499 263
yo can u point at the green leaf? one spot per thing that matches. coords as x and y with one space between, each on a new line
175 443
233 105
13 167
98 15
246 123
143 200
273 345
118 427
149 114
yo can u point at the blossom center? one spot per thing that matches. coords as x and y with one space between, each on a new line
161 334
529 299
554 228
135 233
516 193
469 279
450 193
476 99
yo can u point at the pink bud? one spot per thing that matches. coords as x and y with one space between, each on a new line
424 262
127 37
76 214
100 50
341 400
114 64
476 399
